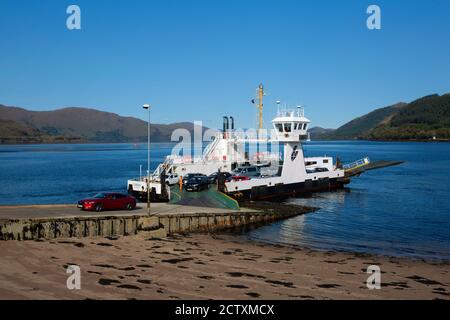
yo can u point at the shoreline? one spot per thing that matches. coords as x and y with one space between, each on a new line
204 266
434 261
241 231
274 206
174 142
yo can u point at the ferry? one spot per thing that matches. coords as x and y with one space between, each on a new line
264 175
295 173
226 151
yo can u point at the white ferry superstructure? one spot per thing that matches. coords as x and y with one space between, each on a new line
296 174
281 173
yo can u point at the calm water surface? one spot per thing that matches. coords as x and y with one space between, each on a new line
401 210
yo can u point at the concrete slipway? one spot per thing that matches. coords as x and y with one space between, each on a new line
34 222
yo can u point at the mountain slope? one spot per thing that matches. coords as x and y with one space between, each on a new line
19 125
422 119
361 126
319 133
18 133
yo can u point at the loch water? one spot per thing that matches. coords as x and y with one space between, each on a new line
399 211
396 211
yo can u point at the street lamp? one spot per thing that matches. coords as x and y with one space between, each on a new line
147 106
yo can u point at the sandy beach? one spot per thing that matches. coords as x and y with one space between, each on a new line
204 266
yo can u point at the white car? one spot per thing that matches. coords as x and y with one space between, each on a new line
172 179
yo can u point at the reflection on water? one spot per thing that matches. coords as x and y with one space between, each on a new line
294 230
401 210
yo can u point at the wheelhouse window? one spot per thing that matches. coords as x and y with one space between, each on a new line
287 127
279 127
304 126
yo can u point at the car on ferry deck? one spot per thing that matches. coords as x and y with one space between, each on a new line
197 183
191 175
247 171
212 178
239 178
108 201
172 179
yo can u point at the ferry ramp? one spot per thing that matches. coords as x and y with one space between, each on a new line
211 198
358 169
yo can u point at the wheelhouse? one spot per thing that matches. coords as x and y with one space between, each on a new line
291 125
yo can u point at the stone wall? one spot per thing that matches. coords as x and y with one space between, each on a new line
32 229
213 222
159 226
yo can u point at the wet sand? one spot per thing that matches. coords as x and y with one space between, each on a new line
203 266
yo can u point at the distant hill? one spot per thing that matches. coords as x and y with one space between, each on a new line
319 133
427 118
19 125
423 119
361 126
12 129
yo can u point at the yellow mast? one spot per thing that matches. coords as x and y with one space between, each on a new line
260 105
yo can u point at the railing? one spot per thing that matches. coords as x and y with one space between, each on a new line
356 164
184 160
291 112
210 147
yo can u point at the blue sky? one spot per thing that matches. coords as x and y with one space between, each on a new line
201 59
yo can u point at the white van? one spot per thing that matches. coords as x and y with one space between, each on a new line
248 171
172 179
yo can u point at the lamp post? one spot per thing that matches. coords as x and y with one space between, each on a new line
147 106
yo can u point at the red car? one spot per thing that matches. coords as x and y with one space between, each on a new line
108 201
240 178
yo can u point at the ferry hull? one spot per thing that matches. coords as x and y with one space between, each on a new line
279 192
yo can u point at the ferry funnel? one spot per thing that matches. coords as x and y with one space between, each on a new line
225 124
